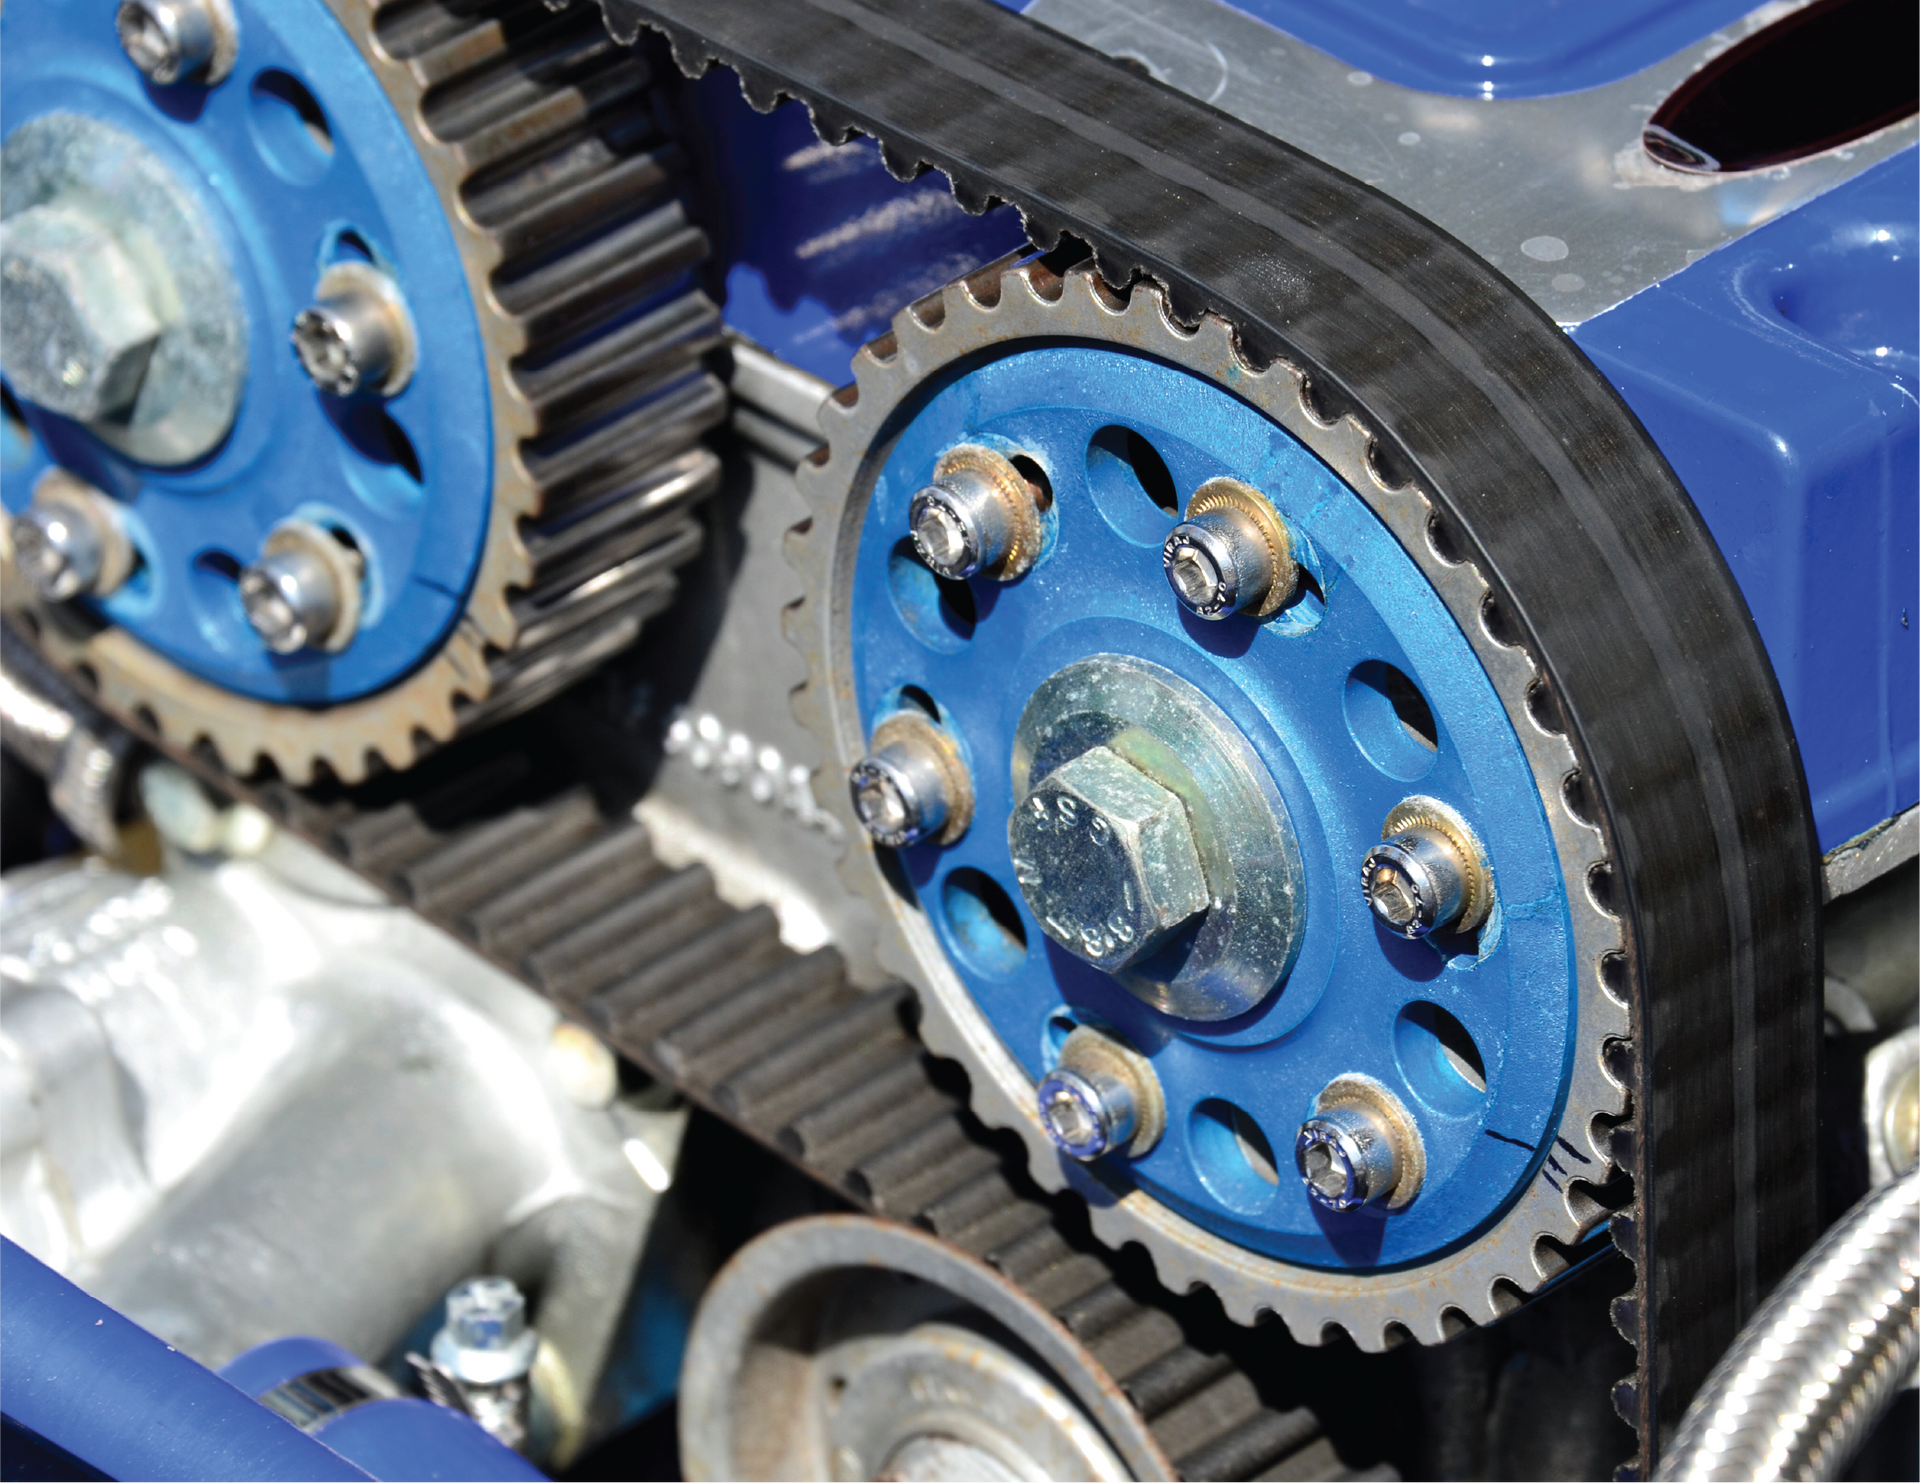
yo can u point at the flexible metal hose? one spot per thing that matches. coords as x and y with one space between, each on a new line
1820 1362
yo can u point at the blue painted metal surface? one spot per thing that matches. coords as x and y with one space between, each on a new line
404 1438
1305 688
285 207
105 1391
1778 375
1495 48
821 246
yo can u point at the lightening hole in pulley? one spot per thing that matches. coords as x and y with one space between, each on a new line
290 129
1131 484
1232 1156
938 611
1390 720
985 925
1439 1059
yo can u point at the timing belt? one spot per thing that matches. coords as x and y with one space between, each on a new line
1539 473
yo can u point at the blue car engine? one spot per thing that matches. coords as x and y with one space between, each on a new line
892 739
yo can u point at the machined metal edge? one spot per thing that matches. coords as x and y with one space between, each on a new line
994 309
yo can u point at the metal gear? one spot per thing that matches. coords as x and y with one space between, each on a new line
525 122
994 310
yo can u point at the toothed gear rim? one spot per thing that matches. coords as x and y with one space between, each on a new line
528 144
1414 1281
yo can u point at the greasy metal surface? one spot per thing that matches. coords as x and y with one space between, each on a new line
1557 193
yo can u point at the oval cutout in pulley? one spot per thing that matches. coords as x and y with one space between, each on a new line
1814 80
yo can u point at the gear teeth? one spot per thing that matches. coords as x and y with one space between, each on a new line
535 128
1012 301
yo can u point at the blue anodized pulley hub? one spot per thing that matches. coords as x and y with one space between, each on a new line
298 162
1360 693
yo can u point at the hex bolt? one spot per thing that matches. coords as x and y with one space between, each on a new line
1106 858
485 1350
979 515
1102 1096
168 40
912 786
304 590
1231 554
69 541
1427 872
1346 1157
357 335
76 327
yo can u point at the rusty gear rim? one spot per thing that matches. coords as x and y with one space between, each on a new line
1525 1246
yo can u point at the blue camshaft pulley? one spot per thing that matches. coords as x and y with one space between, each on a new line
353 367
1209 809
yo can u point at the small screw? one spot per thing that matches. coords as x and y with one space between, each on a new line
55 551
292 599
979 516
356 336
1415 882
1086 1114
1346 1158
911 786
1232 554
168 40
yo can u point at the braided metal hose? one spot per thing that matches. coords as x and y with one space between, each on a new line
1821 1361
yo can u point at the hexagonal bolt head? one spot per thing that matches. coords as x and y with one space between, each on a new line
486 1340
76 330
1106 859
1346 1158
1415 882
168 40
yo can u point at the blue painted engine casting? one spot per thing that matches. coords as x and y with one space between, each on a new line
298 163
1360 693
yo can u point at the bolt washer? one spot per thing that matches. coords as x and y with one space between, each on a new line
1003 305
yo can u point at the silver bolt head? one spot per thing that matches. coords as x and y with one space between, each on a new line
1414 883
486 1313
953 525
898 796
1106 859
76 330
291 599
1085 1116
57 553
166 39
1346 1158
945 539
341 350
486 1339
1200 569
